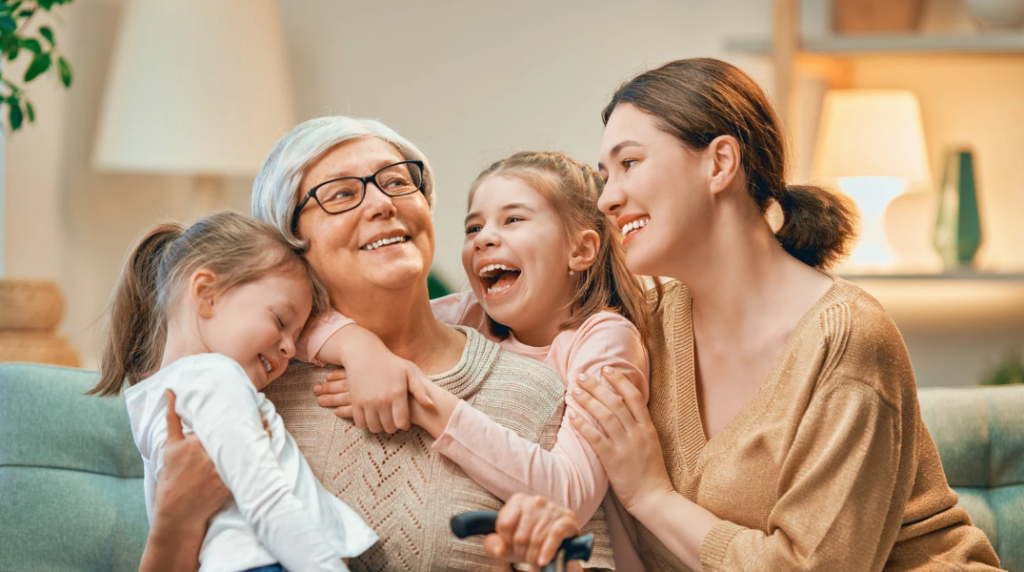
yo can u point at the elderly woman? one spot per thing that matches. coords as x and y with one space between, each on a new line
356 198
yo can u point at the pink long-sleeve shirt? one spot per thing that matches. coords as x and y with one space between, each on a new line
499 460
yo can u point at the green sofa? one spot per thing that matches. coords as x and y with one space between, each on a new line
71 479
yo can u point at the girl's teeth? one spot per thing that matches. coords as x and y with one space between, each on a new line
498 289
493 267
266 364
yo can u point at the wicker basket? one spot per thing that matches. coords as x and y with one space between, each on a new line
30 305
873 16
37 347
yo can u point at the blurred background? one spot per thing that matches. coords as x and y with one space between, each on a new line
915 108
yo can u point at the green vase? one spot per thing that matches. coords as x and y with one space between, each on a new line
958 229
436 287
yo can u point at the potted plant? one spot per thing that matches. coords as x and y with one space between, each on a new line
17 41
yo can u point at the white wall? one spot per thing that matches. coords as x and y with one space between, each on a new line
470 82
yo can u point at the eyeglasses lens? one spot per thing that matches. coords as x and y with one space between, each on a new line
394 180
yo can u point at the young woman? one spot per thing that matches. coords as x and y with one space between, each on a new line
783 429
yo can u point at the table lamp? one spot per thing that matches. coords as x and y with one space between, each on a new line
872 141
198 88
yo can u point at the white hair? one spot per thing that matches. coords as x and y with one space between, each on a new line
276 193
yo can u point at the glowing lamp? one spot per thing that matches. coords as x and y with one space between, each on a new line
872 142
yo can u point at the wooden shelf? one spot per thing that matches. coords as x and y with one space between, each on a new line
966 275
961 301
1010 43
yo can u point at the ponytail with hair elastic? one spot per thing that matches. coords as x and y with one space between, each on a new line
135 342
819 226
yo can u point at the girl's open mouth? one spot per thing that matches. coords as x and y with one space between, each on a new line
498 278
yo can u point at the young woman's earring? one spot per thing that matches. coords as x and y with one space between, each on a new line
571 272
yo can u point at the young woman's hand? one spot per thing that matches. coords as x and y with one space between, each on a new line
378 382
188 493
530 529
626 440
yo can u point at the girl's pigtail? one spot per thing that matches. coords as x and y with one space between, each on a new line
135 341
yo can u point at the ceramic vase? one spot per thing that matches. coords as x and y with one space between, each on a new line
958 229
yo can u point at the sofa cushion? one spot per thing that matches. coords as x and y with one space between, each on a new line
980 436
70 475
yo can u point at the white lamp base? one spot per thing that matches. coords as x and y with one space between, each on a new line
872 195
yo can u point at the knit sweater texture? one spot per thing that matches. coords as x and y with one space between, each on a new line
828 466
405 491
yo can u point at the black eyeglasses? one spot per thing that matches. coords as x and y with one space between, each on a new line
339 195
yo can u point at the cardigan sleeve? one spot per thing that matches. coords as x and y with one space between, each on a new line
837 491
453 309
316 334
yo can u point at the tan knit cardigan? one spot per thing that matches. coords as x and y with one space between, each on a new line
402 489
828 466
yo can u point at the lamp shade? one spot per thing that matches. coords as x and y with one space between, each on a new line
196 87
872 133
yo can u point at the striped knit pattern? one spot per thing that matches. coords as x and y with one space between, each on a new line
397 484
842 385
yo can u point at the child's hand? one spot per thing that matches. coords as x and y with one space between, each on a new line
432 416
374 386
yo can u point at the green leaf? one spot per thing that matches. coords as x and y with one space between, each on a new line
65 71
26 13
14 116
45 4
12 52
32 45
40 63
7 24
31 112
10 7
47 33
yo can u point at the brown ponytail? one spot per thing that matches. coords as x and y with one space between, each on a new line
818 227
573 190
237 248
135 340
699 99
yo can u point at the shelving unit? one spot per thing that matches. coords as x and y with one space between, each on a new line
963 301
824 55
947 276
996 43
956 324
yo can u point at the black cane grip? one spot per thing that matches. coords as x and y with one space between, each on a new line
473 523
578 548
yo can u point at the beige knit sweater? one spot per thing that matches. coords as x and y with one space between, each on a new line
399 486
827 467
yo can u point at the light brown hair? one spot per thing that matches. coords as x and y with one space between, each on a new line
573 189
699 99
237 248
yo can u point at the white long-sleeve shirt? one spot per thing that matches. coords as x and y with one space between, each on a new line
279 512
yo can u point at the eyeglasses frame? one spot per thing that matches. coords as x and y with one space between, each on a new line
311 194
